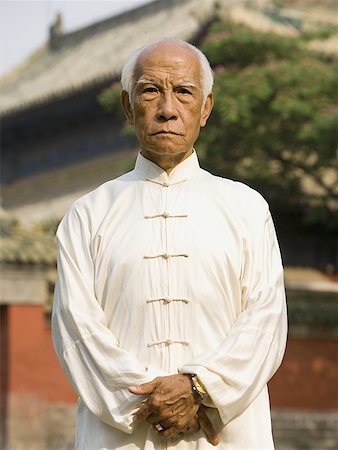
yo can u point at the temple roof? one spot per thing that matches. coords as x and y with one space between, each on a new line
71 62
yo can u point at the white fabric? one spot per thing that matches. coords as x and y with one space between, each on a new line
162 274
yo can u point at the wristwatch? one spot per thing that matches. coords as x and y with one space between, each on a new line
197 387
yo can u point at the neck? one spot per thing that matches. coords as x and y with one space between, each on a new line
166 162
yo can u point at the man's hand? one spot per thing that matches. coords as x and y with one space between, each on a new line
171 401
201 420
171 404
176 432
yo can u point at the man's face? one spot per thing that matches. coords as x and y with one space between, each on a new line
167 110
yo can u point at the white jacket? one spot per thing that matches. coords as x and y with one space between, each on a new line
162 274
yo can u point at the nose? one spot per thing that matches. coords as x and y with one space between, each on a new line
167 107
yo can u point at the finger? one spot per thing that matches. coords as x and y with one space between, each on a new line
179 422
168 411
145 388
174 431
177 432
154 418
207 427
192 427
144 412
171 433
182 404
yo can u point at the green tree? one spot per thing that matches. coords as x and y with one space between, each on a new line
275 120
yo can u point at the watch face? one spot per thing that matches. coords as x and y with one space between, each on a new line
198 386
197 394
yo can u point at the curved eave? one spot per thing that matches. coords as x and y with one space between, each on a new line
58 95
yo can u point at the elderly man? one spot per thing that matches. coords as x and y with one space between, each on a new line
169 315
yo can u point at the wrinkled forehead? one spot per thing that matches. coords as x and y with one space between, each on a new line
172 57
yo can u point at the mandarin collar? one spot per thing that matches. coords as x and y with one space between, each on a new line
150 171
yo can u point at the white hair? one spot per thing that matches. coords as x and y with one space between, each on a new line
128 71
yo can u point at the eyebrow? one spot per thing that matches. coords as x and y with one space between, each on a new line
146 81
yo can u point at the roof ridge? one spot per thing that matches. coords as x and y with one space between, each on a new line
129 15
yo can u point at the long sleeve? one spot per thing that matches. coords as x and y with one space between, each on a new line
237 371
98 369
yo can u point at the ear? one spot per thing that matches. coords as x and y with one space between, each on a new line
207 108
127 108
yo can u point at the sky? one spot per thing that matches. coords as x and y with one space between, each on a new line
24 24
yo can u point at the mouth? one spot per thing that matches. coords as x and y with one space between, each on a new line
164 132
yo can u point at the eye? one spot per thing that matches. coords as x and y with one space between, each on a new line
150 89
183 90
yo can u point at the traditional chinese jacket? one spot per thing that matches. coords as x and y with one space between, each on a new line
160 274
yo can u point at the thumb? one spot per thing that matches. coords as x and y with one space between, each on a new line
207 426
145 388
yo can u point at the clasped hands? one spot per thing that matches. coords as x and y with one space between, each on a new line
172 404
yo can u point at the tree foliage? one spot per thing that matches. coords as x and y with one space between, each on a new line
275 120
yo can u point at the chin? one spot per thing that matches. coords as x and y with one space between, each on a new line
171 152
170 149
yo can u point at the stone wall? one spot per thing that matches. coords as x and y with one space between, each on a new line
34 424
303 430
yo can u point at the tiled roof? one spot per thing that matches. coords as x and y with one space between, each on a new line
96 53
23 245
